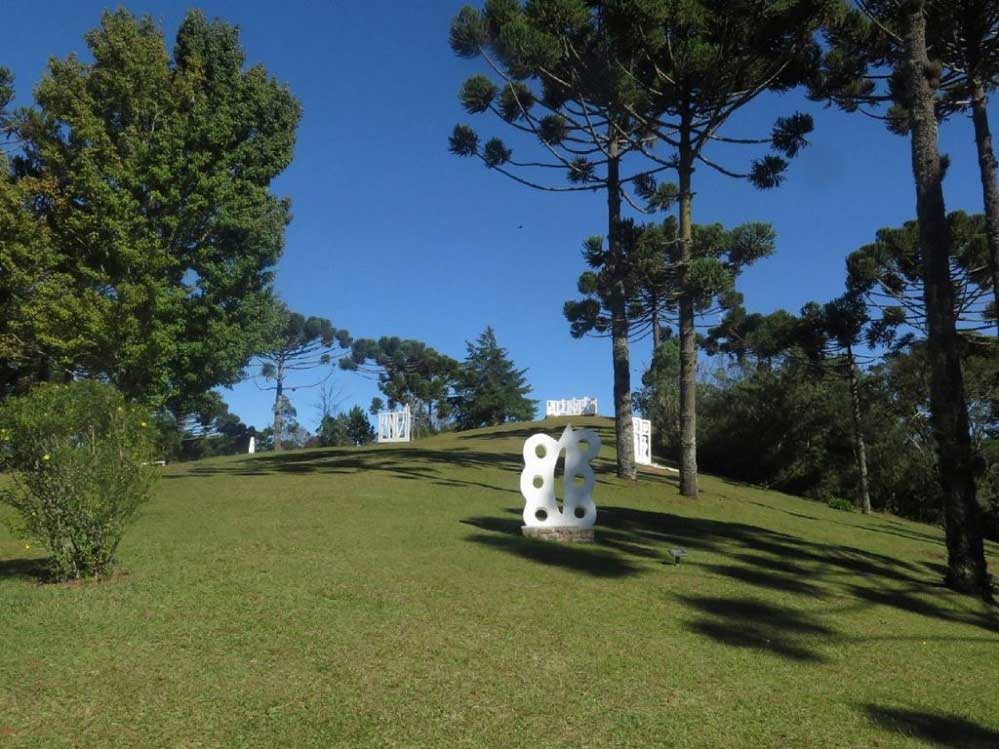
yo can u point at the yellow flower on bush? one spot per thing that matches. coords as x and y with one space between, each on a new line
46 456
142 423
27 546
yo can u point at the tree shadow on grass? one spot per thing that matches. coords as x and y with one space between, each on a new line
746 623
948 731
35 570
790 564
436 466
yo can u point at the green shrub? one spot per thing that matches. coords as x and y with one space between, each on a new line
838 503
79 457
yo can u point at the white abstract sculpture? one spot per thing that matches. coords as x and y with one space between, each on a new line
641 430
394 426
253 446
537 481
571 407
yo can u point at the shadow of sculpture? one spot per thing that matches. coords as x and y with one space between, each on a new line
579 558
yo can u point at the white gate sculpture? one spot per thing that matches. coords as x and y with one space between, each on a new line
394 426
641 431
537 481
571 407
253 446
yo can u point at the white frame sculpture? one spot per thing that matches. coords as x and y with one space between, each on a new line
537 480
641 432
571 407
395 426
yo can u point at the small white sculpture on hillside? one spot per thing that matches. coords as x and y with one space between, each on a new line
641 430
537 481
253 446
571 407
395 426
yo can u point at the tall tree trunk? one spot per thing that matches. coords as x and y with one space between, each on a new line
657 332
948 410
279 405
859 445
688 339
990 190
619 323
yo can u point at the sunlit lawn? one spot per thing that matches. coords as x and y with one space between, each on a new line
383 597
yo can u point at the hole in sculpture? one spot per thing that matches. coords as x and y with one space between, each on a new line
541 515
580 513
540 451
578 480
538 481
584 445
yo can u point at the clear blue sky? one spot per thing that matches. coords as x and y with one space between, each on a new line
394 236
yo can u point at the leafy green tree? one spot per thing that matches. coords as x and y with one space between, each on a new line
659 398
36 304
150 173
831 333
300 344
346 429
409 373
333 431
212 430
781 427
359 429
490 389
880 50
77 456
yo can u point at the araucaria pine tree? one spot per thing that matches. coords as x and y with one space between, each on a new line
490 389
652 254
561 77
301 343
891 35
616 93
700 63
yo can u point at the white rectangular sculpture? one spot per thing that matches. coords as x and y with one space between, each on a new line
253 446
571 407
543 517
641 431
395 426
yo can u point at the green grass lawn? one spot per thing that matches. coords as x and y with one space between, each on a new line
383 597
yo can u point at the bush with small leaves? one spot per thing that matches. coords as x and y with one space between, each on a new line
79 457
838 503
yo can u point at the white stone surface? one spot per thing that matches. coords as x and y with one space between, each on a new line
395 426
537 480
253 445
571 407
641 431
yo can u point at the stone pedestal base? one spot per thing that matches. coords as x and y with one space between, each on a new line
565 535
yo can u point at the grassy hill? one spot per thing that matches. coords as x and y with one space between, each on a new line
383 597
